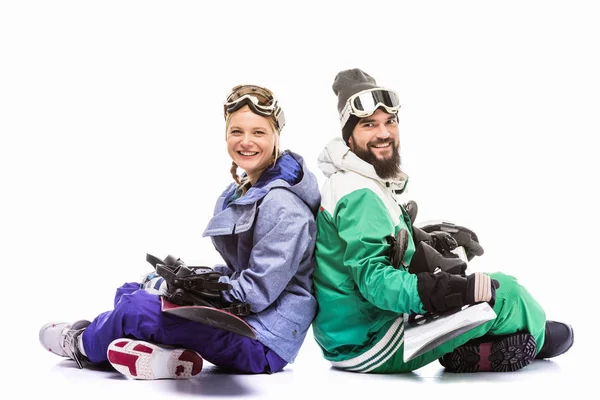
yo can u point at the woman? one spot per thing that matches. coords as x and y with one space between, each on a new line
264 228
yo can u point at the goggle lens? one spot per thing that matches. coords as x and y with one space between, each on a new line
365 103
369 101
252 96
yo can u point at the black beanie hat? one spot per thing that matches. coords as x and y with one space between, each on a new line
346 84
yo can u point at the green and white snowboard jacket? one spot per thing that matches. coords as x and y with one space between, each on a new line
361 297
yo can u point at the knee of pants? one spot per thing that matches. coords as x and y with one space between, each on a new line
510 291
125 289
140 310
507 282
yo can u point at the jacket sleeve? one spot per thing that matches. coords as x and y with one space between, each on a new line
281 238
223 269
363 223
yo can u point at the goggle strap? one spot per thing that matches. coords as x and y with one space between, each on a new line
347 111
345 115
275 110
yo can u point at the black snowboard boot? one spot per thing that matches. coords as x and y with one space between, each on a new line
492 354
559 339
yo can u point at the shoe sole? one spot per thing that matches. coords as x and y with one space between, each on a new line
505 355
142 360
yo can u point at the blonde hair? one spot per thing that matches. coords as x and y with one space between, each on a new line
244 182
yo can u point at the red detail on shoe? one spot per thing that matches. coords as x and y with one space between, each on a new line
194 358
120 344
127 360
485 350
179 370
321 209
143 349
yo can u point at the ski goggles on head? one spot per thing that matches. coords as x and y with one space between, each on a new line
260 100
365 103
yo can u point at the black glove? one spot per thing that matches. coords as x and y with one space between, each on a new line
463 236
441 291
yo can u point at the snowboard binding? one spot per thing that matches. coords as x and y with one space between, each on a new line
194 286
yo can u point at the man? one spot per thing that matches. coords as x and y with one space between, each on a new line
363 297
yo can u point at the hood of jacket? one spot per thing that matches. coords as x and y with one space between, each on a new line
337 156
289 172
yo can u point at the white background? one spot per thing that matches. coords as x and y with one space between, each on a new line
112 145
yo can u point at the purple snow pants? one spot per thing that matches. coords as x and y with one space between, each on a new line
137 315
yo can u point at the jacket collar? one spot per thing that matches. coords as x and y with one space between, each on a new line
238 215
285 172
336 156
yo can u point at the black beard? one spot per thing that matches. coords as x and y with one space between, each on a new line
385 169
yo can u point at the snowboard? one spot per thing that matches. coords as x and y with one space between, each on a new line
210 316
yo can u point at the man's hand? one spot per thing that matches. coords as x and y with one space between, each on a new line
442 291
482 288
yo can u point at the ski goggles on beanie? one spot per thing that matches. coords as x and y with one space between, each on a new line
365 103
260 100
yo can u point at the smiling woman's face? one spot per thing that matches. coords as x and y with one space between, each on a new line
251 141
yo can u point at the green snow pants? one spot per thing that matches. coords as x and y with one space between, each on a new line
516 311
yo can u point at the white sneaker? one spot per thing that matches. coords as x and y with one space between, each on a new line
143 360
61 339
